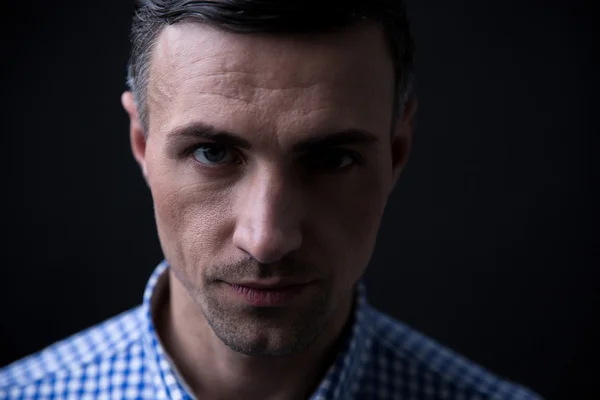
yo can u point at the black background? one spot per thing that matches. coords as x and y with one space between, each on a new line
490 242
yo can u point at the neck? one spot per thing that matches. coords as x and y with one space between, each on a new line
214 371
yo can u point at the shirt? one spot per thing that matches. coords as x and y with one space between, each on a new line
122 358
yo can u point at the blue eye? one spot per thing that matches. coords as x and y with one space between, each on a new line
211 154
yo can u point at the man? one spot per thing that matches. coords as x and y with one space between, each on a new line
270 134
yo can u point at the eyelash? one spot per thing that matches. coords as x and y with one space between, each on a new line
189 153
357 158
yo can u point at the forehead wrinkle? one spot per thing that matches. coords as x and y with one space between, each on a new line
243 88
172 58
231 58
186 71
294 117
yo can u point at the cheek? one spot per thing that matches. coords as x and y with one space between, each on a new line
361 216
191 217
347 216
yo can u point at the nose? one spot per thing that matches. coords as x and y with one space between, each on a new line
268 217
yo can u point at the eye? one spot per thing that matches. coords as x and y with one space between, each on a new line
211 154
331 159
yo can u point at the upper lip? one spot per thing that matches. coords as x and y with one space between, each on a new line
270 284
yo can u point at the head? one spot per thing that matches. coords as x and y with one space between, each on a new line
271 134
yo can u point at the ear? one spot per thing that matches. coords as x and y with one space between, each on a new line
136 132
402 138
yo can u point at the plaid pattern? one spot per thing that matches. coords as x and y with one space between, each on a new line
123 359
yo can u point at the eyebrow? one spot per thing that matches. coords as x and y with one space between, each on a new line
339 138
202 131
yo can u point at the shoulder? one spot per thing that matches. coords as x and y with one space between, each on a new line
417 365
79 364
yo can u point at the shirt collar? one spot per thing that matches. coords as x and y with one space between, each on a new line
344 370
167 383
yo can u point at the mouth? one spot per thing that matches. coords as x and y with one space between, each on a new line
264 294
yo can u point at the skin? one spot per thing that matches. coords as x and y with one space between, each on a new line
273 208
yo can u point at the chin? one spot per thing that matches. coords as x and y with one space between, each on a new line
268 332
272 344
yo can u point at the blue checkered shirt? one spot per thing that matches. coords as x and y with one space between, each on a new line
123 358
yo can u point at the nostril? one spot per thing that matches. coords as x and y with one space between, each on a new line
268 217
267 246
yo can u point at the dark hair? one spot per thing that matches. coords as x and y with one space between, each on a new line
268 16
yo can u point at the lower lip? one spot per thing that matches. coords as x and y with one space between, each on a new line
267 297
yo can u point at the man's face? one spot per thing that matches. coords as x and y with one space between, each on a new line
270 160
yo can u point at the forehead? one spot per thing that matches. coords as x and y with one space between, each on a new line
198 71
